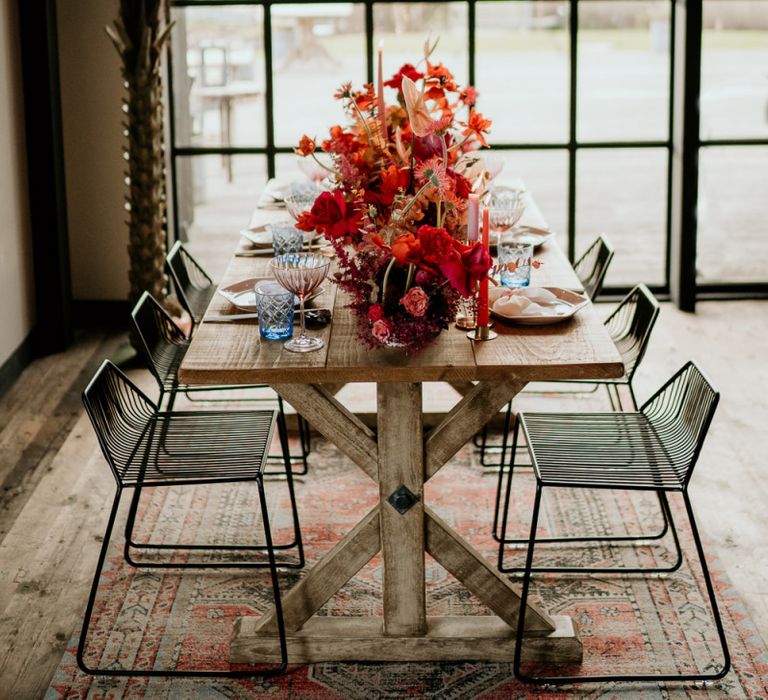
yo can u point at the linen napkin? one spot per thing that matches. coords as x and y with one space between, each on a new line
526 301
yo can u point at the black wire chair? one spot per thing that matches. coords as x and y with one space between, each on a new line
653 449
591 267
193 286
209 447
630 327
195 289
163 346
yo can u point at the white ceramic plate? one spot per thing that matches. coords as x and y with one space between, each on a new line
533 235
568 303
242 295
260 237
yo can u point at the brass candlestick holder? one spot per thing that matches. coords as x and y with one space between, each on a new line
465 320
479 332
482 333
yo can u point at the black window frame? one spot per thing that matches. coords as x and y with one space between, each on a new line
684 59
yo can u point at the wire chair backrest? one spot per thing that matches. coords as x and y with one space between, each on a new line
161 342
593 264
193 285
630 326
680 413
120 414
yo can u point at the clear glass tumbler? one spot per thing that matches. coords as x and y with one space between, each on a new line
275 305
286 238
514 262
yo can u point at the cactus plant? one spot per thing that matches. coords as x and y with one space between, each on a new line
140 34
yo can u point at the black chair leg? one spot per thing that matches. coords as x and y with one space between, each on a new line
566 680
296 543
94 589
272 564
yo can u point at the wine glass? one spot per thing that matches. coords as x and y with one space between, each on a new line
301 274
505 207
301 199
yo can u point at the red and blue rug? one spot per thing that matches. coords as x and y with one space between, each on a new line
151 619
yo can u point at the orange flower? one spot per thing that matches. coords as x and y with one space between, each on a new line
365 98
344 91
477 125
468 96
442 76
306 147
406 249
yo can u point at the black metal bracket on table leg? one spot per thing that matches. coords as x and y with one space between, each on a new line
402 499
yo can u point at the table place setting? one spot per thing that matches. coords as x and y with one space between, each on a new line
535 305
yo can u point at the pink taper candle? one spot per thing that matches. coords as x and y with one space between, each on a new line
473 217
380 95
482 295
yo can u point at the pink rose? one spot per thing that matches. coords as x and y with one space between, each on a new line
375 312
382 329
415 301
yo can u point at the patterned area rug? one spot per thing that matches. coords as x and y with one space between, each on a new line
147 618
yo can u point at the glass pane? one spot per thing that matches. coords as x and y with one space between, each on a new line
734 70
315 47
545 176
732 211
218 76
622 193
212 208
623 72
522 70
403 26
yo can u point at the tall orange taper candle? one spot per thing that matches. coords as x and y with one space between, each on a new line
482 295
380 95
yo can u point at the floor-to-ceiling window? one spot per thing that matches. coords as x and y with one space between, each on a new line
580 91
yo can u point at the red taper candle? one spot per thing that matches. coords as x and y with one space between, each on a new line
482 295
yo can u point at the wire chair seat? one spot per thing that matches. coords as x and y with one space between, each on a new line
611 450
197 447
629 327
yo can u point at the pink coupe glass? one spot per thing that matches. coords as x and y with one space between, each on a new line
301 274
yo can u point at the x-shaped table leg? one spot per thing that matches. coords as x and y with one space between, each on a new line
403 528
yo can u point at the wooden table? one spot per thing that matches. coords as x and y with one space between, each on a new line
401 456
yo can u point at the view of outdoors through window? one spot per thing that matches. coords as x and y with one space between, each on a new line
523 73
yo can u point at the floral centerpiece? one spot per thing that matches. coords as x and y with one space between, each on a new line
396 214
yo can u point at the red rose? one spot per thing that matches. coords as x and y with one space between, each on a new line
382 329
406 249
461 186
375 312
415 301
332 216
